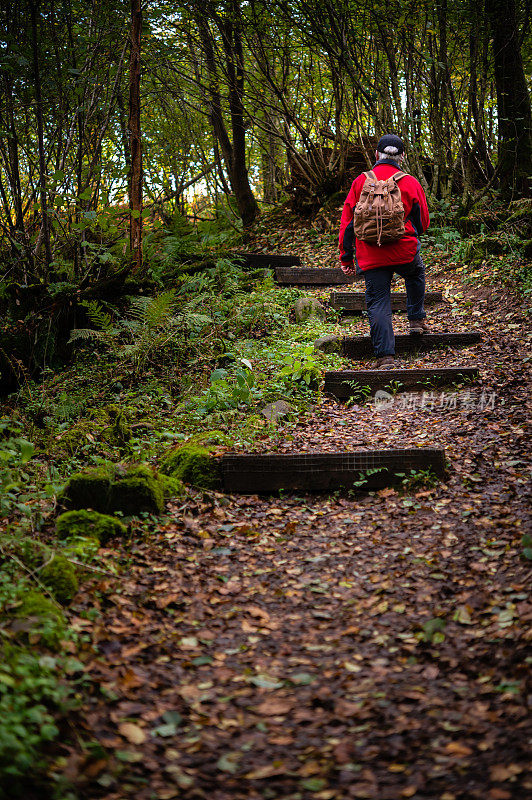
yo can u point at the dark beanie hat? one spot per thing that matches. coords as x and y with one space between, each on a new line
390 140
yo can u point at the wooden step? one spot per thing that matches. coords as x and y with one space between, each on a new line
313 276
349 302
361 347
347 383
324 472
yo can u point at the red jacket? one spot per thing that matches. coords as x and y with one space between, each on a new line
369 256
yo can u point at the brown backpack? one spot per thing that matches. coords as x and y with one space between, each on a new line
379 216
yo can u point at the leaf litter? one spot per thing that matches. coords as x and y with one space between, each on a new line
365 646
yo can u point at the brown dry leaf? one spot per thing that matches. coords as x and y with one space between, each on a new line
130 680
458 749
500 772
133 733
258 613
273 707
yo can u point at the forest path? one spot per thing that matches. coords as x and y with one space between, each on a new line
333 647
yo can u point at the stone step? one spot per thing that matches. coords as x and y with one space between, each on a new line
349 302
361 347
346 383
324 472
313 276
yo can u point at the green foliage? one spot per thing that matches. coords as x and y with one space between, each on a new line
31 696
227 391
194 465
83 523
432 631
59 576
303 369
526 542
15 453
360 393
417 479
362 481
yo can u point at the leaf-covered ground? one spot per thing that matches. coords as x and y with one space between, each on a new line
355 646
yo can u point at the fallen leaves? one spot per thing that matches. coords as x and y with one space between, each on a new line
132 732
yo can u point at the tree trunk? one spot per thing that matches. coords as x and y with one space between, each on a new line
513 101
135 175
40 137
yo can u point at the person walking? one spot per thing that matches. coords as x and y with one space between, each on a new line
383 217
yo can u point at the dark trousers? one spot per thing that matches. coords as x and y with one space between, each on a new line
379 304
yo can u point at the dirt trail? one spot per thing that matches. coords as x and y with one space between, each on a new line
370 646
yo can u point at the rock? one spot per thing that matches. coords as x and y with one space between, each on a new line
132 490
89 489
89 524
193 464
59 576
277 410
307 307
137 491
39 614
328 344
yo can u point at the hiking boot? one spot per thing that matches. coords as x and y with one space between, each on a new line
386 362
419 326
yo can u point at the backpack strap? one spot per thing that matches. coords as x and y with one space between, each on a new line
399 175
371 175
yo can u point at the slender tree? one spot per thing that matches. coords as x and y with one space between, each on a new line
135 175
513 100
45 222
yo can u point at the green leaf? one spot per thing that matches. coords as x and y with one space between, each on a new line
314 784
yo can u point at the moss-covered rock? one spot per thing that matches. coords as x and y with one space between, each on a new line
307 307
130 490
193 464
41 615
89 489
479 247
109 424
135 491
172 487
32 553
89 524
59 576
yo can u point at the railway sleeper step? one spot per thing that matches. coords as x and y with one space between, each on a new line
361 347
355 302
313 276
351 383
325 472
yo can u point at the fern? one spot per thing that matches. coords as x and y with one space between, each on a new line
97 315
87 333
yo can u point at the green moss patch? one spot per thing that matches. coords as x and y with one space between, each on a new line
89 489
41 616
131 491
138 490
59 576
90 524
194 465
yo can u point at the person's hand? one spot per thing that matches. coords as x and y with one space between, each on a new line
348 269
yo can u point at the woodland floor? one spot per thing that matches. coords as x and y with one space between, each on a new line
348 646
